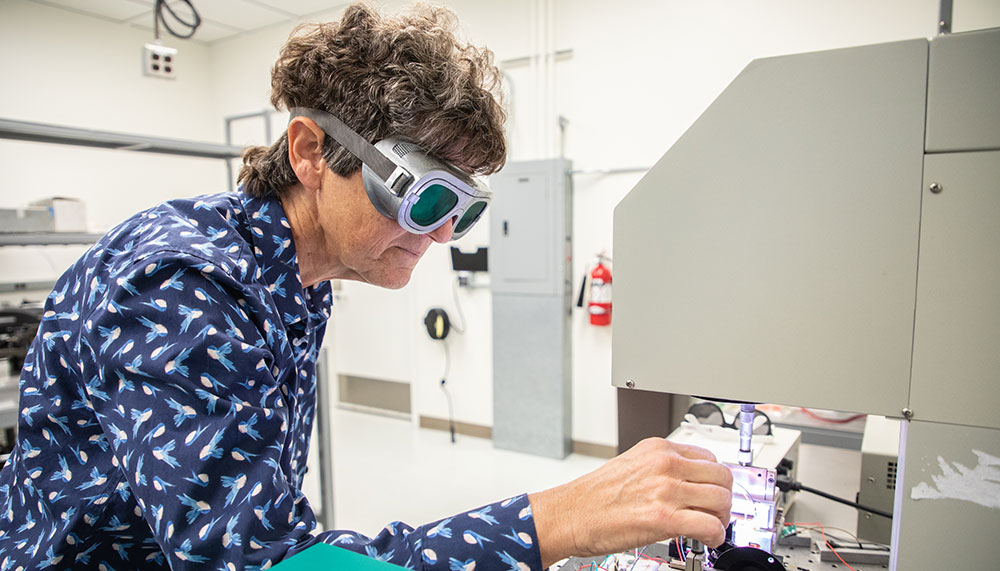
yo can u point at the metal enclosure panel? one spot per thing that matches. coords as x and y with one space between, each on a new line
529 278
878 486
956 343
531 375
940 463
963 92
771 254
879 468
528 228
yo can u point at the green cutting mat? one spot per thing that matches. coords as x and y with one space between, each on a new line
332 558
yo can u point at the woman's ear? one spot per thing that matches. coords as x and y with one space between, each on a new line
305 151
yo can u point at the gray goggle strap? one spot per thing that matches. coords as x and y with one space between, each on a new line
395 177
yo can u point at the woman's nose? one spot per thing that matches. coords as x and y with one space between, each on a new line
443 233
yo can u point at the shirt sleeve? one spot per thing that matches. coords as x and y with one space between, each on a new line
183 378
499 536
182 386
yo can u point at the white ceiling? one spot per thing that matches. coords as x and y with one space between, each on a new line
220 19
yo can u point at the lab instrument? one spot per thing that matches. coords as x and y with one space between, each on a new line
825 236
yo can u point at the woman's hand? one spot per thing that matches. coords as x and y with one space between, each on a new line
654 491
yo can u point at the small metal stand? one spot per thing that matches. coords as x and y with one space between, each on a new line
263 114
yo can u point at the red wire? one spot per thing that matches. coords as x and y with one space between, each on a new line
680 550
832 420
822 530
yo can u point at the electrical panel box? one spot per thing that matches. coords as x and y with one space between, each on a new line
529 228
530 282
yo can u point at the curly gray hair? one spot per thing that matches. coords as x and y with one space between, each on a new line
406 75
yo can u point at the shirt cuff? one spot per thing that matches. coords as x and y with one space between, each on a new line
498 536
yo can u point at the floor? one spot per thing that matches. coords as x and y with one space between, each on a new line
387 469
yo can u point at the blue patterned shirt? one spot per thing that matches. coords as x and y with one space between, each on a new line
167 404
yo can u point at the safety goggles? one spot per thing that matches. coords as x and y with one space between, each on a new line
711 414
405 183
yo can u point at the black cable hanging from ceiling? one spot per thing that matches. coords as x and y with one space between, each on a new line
163 7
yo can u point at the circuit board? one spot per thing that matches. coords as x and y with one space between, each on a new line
806 552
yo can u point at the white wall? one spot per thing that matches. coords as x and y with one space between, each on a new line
63 68
640 73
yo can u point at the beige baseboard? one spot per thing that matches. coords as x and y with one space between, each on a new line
482 431
466 428
593 449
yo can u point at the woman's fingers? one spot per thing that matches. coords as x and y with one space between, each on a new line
710 499
701 526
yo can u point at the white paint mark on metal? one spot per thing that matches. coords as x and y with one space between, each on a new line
979 485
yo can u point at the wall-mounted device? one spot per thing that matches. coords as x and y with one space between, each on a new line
159 61
437 323
469 265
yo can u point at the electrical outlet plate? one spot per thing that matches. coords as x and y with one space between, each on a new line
159 61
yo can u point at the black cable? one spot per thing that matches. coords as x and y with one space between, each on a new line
835 542
447 361
458 308
849 544
861 507
447 394
158 17
785 483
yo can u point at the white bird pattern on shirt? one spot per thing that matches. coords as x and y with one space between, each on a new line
167 404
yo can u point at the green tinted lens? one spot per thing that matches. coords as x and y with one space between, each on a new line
435 201
470 216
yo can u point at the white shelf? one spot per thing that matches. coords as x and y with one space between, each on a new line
48 238
47 133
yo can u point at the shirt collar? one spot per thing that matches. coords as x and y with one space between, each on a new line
278 265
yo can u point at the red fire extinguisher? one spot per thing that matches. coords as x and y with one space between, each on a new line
599 306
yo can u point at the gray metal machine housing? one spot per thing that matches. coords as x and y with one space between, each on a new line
826 235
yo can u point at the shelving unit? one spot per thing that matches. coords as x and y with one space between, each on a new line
48 133
48 239
41 239
59 134
17 130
